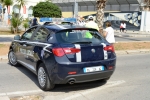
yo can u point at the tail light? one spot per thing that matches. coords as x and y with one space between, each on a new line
58 52
109 48
62 51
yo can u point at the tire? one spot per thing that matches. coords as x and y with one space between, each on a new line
12 58
43 79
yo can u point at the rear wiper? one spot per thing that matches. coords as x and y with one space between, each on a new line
84 42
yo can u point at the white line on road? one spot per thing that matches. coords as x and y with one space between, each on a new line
109 84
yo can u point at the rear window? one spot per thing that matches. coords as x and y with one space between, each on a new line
81 36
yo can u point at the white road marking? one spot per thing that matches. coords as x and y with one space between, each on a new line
2 94
80 94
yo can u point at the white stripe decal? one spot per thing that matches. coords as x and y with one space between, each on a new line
34 42
78 55
105 52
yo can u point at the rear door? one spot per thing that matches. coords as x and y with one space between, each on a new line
83 45
39 41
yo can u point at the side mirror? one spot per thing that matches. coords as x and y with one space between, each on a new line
17 37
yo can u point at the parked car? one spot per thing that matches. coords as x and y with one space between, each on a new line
61 54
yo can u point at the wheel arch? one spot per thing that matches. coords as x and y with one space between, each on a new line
10 48
38 63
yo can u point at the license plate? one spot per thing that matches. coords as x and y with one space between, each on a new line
93 69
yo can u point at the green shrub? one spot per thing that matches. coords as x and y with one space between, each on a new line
25 25
46 9
15 23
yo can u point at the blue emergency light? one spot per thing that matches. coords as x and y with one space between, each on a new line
45 19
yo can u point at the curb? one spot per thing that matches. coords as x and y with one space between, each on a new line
120 52
133 51
126 35
4 98
3 58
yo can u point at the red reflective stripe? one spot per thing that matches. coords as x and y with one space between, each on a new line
71 73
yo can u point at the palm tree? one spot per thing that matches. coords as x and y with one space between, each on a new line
147 5
7 3
15 22
100 13
21 3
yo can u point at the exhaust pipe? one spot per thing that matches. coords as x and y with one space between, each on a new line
71 82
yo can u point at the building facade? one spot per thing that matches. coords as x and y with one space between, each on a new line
86 7
26 11
115 11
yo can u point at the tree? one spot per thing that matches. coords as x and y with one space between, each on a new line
25 25
15 22
2 2
21 3
46 9
8 3
147 5
48 0
5 3
100 13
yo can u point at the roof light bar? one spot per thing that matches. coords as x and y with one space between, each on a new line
45 19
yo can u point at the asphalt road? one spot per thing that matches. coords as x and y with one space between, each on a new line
130 81
118 39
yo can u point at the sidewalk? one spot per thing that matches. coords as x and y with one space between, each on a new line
132 34
117 34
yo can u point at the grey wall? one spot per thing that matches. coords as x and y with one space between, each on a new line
131 7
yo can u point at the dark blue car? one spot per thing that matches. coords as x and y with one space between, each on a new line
60 54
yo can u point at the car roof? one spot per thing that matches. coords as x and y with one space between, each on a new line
57 27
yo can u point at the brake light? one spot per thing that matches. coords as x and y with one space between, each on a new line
62 51
109 48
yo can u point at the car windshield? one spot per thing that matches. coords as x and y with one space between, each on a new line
79 36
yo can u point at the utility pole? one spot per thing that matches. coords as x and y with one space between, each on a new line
75 9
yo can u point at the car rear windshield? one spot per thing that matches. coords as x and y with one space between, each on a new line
79 36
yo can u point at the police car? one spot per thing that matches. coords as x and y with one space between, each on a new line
61 54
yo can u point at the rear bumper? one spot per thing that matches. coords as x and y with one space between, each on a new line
58 72
79 78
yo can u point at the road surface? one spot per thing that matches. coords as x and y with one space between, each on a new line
130 81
